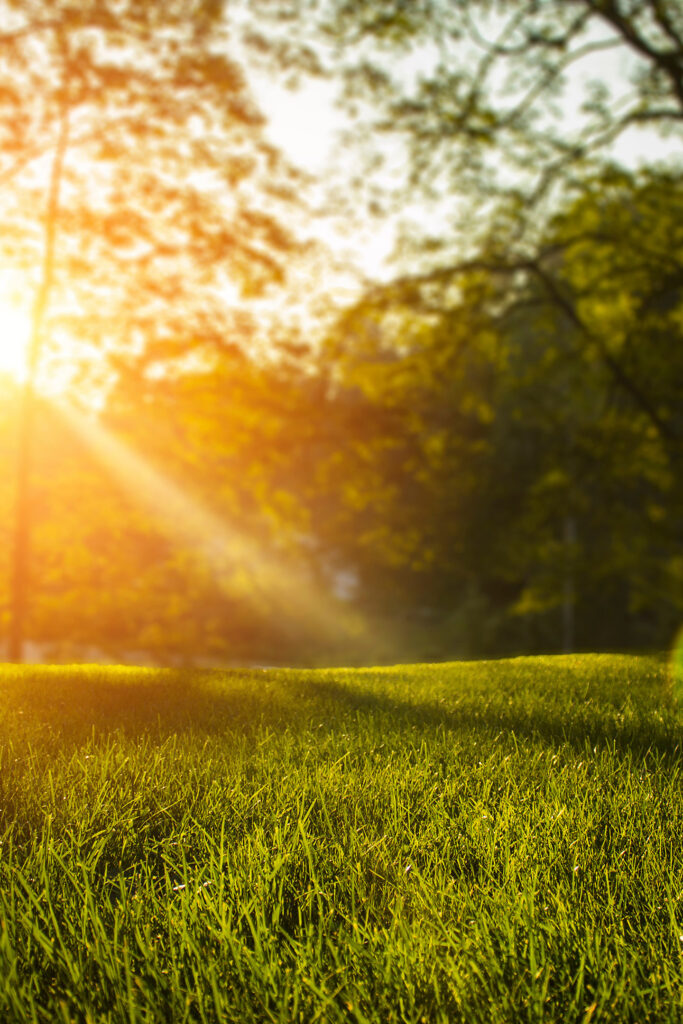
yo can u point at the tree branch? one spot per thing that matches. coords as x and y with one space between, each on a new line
613 365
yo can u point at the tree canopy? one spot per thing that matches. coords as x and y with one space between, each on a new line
546 408
165 205
469 122
484 453
132 155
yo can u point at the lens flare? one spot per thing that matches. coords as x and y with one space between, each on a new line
273 581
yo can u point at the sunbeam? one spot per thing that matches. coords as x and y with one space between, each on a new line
298 600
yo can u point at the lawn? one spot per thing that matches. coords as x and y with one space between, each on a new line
485 841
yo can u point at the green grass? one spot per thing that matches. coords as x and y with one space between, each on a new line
493 841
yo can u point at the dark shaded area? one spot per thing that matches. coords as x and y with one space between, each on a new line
74 707
552 708
580 724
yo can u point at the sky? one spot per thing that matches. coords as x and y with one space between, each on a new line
306 122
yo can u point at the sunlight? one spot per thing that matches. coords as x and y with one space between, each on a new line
58 358
676 670
236 562
15 331
303 123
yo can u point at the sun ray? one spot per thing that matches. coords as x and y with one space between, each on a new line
285 586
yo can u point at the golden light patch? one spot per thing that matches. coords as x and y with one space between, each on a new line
676 669
15 332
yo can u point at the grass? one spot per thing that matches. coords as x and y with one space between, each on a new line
496 841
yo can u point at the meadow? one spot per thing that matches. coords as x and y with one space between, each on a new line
483 841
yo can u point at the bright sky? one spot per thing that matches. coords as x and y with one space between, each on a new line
306 124
15 329
55 374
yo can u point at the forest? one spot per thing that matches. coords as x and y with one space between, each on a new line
477 453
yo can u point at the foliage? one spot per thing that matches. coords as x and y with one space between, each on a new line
487 449
165 196
502 106
543 409
8 419
131 150
491 460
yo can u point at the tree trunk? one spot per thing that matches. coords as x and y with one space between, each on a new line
568 589
20 579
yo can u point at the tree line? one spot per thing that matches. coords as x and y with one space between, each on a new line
481 455
487 465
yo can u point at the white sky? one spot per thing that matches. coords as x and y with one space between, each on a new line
305 124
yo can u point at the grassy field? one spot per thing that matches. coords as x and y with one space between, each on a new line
492 841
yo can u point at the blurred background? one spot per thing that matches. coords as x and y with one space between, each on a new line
340 332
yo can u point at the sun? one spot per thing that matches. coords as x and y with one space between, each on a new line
15 331
59 355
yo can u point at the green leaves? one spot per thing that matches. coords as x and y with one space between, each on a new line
155 220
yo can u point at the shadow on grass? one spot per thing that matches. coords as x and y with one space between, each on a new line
72 704
579 724
75 703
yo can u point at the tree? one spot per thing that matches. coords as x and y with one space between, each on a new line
131 155
121 571
505 111
501 102
546 417
551 273
463 453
